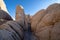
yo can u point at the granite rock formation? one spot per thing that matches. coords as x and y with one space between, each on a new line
3 6
44 25
4 17
20 29
47 23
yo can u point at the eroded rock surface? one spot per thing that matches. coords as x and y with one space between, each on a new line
46 28
4 17
44 25
3 6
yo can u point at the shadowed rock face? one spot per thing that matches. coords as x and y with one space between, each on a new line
4 17
44 25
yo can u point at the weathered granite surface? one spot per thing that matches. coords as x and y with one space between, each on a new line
44 25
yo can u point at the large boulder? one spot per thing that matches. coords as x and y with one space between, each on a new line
52 16
14 28
6 35
45 29
35 20
4 17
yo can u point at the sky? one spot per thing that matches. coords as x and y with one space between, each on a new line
30 6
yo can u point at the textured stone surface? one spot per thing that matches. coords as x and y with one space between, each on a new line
55 33
6 35
44 25
4 17
20 13
14 28
46 28
51 17
35 20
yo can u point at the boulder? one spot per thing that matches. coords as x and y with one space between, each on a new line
4 17
50 18
35 20
43 23
14 28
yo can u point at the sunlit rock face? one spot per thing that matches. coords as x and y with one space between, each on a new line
19 13
20 16
48 26
35 20
3 6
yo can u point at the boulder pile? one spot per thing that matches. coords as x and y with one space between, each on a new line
44 25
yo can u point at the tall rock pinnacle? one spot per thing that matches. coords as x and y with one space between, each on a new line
20 16
3 6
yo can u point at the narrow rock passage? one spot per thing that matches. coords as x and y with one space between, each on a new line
27 33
